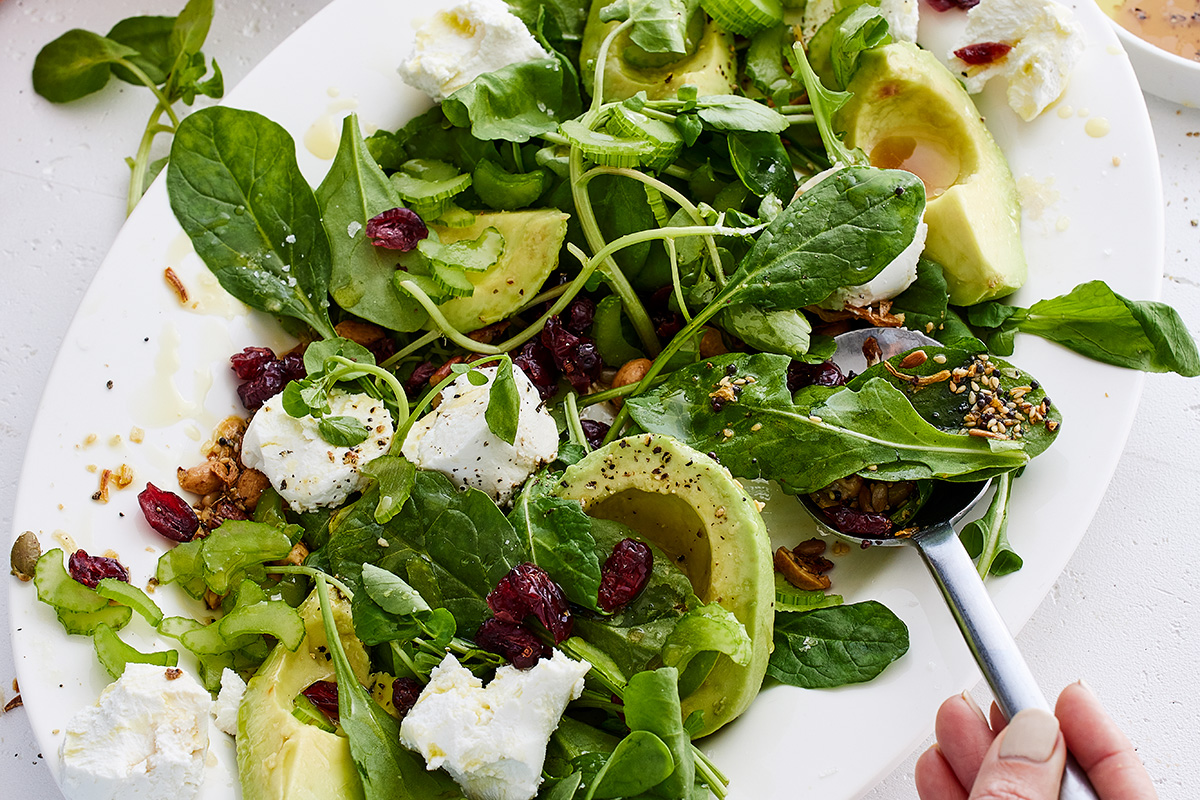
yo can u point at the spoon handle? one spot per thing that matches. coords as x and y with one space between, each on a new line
987 636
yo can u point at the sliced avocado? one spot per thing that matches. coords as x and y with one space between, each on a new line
279 757
691 508
710 64
532 240
910 112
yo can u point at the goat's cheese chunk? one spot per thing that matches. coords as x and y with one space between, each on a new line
229 700
492 740
459 44
307 471
146 737
454 438
1046 45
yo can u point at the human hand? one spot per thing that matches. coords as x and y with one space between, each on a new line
1023 759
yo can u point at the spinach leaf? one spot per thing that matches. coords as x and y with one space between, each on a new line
986 539
762 163
353 192
150 37
76 64
395 477
839 432
387 769
785 331
705 631
764 63
841 232
925 301
1095 321
640 762
652 706
518 101
836 646
836 46
236 189
568 16
558 535
659 26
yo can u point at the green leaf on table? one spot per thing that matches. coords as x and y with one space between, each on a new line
76 64
836 646
237 190
150 37
191 27
558 535
353 192
842 431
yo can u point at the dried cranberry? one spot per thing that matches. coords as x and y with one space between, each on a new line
250 363
405 692
89 570
826 373
575 356
382 348
271 381
324 695
579 315
168 513
419 380
857 523
983 52
517 643
946 5
625 574
594 432
396 229
528 591
537 363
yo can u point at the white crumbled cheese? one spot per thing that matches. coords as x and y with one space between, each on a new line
892 279
492 740
1046 44
146 737
901 15
229 700
455 440
307 471
459 44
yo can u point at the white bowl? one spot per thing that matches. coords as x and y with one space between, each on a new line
1160 72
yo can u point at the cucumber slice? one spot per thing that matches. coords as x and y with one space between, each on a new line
745 17
453 282
629 124
425 183
473 255
307 712
608 150
454 217
508 191
426 284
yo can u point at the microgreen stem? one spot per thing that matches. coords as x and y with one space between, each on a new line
675 282
412 347
616 391
140 163
163 101
350 368
574 424
716 780
602 62
312 572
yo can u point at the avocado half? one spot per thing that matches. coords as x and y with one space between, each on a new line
910 112
691 508
711 66
279 757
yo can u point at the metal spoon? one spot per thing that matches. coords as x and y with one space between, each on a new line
934 536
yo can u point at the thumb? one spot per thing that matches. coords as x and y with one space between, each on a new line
1025 762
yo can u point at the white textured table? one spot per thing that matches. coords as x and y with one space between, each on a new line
1123 614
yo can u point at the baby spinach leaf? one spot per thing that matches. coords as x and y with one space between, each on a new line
839 432
925 301
387 769
516 102
837 44
698 637
764 63
659 26
353 192
640 762
558 535
785 331
568 16
236 189
391 593
652 705
76 64
762 163
395 477
986 539
150 37
1095 321
836 646
841 232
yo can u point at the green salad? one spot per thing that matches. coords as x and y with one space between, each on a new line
546 329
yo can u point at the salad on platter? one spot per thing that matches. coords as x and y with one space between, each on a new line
488 529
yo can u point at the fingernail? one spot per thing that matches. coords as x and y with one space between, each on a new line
1031 735
970 701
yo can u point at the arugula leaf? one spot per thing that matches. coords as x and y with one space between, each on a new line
825 104
558 535
1095 321
353 192
236 189
836 646
986 539
840 431
76 64
387 769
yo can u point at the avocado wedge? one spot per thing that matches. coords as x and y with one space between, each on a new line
909 112
692 509
278 755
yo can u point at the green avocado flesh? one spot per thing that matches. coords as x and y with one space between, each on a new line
909 112
691 508
711 66
532 240
279 757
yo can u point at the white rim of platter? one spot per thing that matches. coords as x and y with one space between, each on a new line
1089 179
